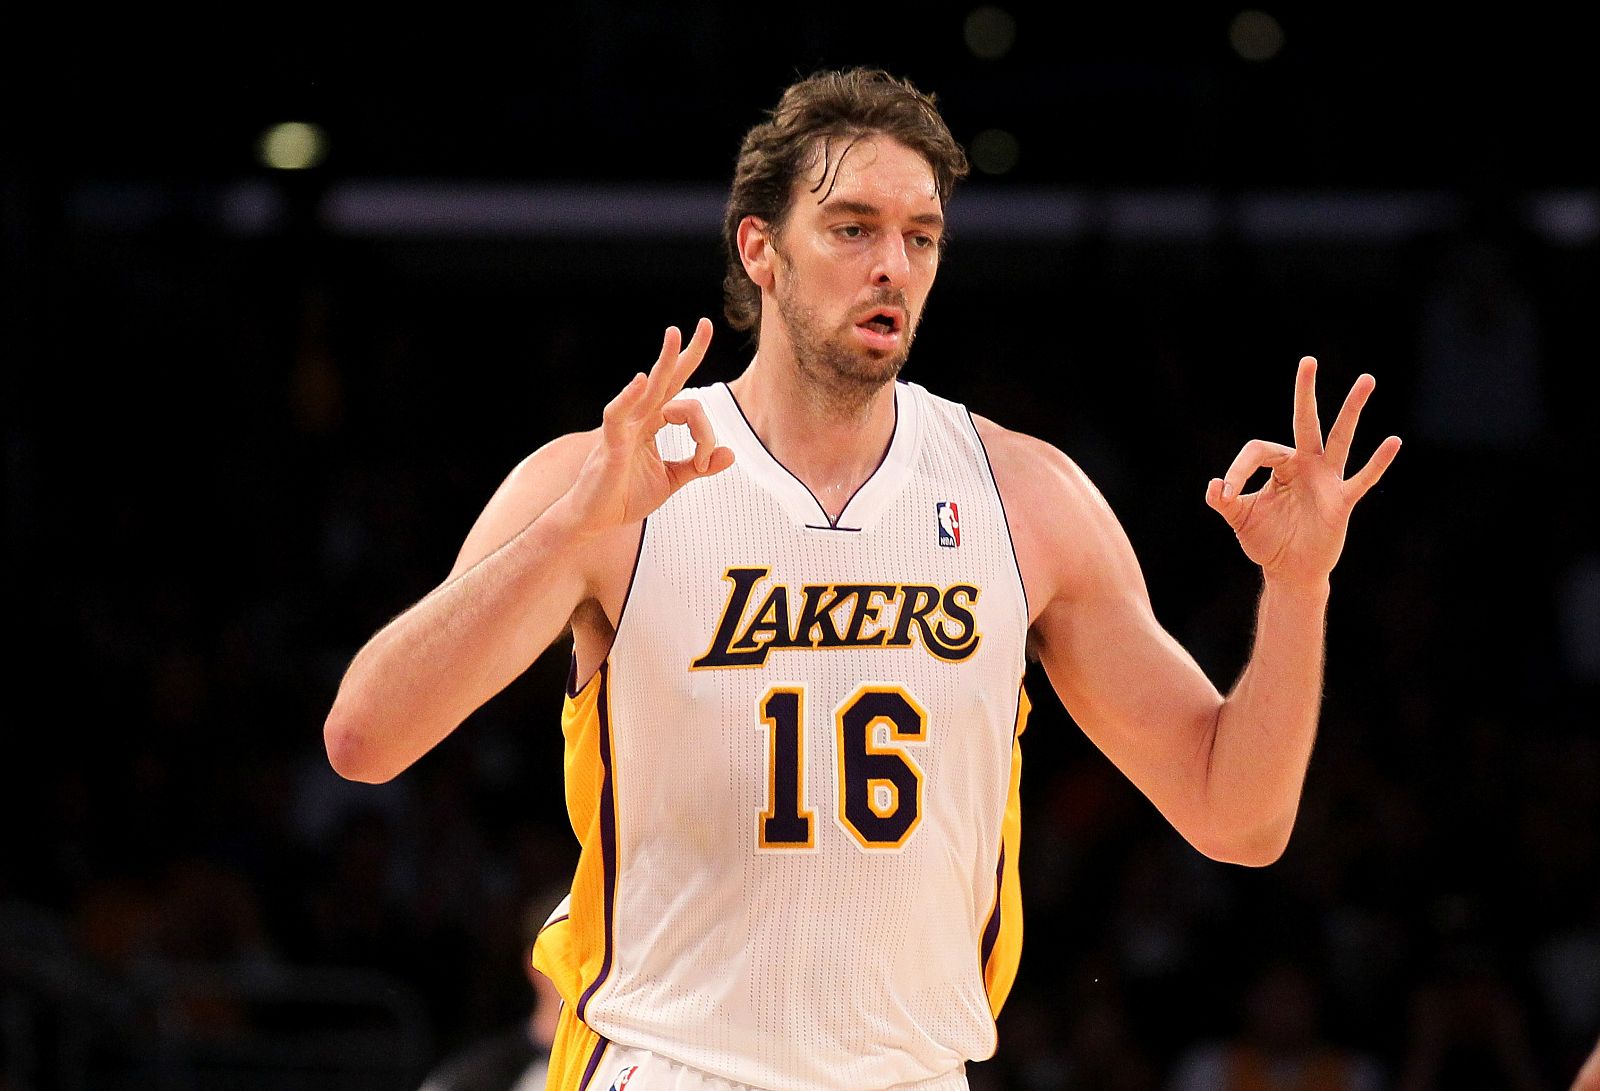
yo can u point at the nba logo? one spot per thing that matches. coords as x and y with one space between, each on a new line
949 524
623 1077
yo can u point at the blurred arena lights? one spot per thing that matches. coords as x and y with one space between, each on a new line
293 145
995 151
990 32
1566 218
1255 35
392 209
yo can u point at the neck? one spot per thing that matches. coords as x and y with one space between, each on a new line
828 432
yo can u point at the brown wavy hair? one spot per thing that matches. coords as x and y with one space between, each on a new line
810 117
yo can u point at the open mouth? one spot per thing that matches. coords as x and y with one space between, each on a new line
881 322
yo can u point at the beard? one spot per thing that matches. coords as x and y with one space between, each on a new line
840 370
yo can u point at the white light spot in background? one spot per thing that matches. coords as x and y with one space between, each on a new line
293 145
1255 35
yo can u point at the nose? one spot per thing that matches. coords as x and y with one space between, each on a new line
891 264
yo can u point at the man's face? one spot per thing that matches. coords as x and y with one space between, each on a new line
856 258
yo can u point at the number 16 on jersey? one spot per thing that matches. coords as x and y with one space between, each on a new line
879 785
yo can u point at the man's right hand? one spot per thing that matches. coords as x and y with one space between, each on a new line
624 477
551 538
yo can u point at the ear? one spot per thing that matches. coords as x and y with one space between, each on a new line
755 250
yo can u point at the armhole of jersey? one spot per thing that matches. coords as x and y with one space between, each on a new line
988 468
574 687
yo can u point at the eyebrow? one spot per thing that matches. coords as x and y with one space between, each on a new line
862 208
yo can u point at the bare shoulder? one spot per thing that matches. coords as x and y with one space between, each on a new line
531 486
1065 532
549 471
1041 485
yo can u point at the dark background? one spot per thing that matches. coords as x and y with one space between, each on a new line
240 434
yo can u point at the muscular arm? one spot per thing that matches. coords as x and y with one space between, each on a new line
1227 772
557 536
518 578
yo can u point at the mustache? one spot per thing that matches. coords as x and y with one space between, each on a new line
888 297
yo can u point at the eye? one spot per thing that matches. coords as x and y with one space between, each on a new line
924 242
853 231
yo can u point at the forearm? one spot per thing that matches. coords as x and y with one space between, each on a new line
1264 731
428 669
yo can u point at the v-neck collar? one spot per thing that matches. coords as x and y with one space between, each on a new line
864 508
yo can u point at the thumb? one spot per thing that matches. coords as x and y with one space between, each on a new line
683 470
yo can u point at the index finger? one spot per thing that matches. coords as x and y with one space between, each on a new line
1307 428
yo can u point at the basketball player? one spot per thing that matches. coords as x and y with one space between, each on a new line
800 605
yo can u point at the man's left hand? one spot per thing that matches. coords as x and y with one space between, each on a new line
1294 525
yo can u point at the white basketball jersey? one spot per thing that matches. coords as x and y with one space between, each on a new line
794 778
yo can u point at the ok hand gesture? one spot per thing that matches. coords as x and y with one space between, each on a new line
1294 525
625 478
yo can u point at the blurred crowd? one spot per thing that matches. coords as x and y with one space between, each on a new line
245 456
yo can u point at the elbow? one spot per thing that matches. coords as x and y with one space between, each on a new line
1254 847
351 749
1246 855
